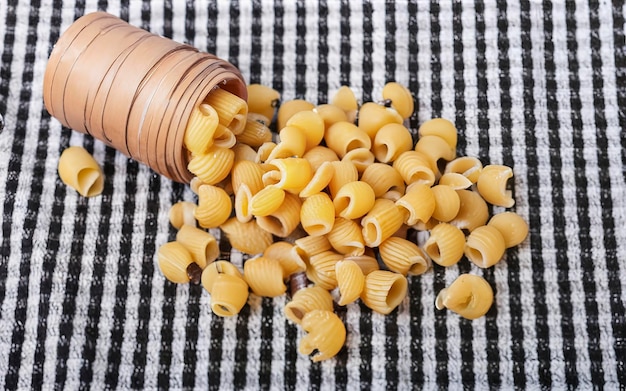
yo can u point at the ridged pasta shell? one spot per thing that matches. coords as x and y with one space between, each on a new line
403 256
513 227
350 281
384 291
308 299
264 276
246 237
229 295
485 246
326 335
446 244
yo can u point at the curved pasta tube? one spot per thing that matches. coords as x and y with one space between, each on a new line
262 99
80 171
445 245
381 222
435 148
292 174
383 178
321 269
306 300
373 116
485 246
267 201
224 137
255 132
210 273
264 151
247 237
473 211
285 219
201 128
384 290
214 166
331 114
182 213
391 141
288 259
319 155
174 259
214 206
414 167
350 281
249 173
342 137
360 157
229 295
447 203
292 143
403 256
345 99
326 335
311 124
289 108
400 98
317 214
243 197
468 166
419 203
366 262
320 180
308 246
201 244
343 173
440 127
264 276
469 295
244 152
231 109
354 199
512 226
346 237
491 185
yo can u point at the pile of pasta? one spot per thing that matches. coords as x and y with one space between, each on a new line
325 204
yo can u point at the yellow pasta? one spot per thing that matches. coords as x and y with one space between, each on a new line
289 260
400 98
383 178
289 108
80 171
354 199
326 335
319 181
264 151
201 244
384 290
512 226
436 149
390 141
230 294
264 276
469 295
319 155
249 173
201 128
455 181
419 203
414 167
292 142
213 270
491 185
381 222
350 281
244 152
343 137
468 166
331 114
267 201
306 300
214 206
214 166
403 256
345 99
231 109
247 237
317 214
360 157
262 100
447 203
285 219
182 213
445 245
440 127
311 124
344 172
292 174
255 132
346 237
243 197
373 116
473 211
224 137
485 246
367 263
321 269
174 259
308 246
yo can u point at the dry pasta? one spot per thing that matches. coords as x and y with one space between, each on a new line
246 237
182 213
491 185
346 237
229 295
344 172
289 260
512 226
384 290
326 335
243 197
306 300
373 116
201 244
224 137
447 203
174 259
292 143
403 256
201 128
343 137
414 167
440 127
285 219
262 100
264 276
350 281
435 148
455 181
445 245
249 173
319 181
308 246
214 166
468 166
321 269
367 263
264 151
419 203
354 199
381 222
360 157
255 132
243 152
317 214
485 246
390 141
400 98
214 206
311 124
473 211
383 178
292 174
289 108
231 109
319 155
331 114
344 98
267 201
469 295
80 171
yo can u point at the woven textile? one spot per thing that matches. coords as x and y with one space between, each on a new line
538 86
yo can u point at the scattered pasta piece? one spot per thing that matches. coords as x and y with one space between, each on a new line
326 335
469 295
80 171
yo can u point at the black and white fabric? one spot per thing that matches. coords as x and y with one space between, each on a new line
539 86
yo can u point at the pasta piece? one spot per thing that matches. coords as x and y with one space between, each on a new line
256 132
485 246
400 98
345 99
350 281
414 167
231 109
267 201
306 300
264 151
344 172
262 100
230 294
293 174
311 124
289 108
455 181
243 197
512 226
383 178
331 114
247 237
469 295
419 203
354 199
288 259
224 137
447 203
319 155
440 127
373 116
320 180
292 143
244 152
249 173
473 211
342 137
360 157
201 128
384 291
264 276
468 166
346 237
214 166
214 206
317 214
213 270
80 171
403 256
381 222
201 244
436 149
321 269
195 184
308 246
283 221
174 260
391 141
182 213
326 335
445 245
367 263
491 185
